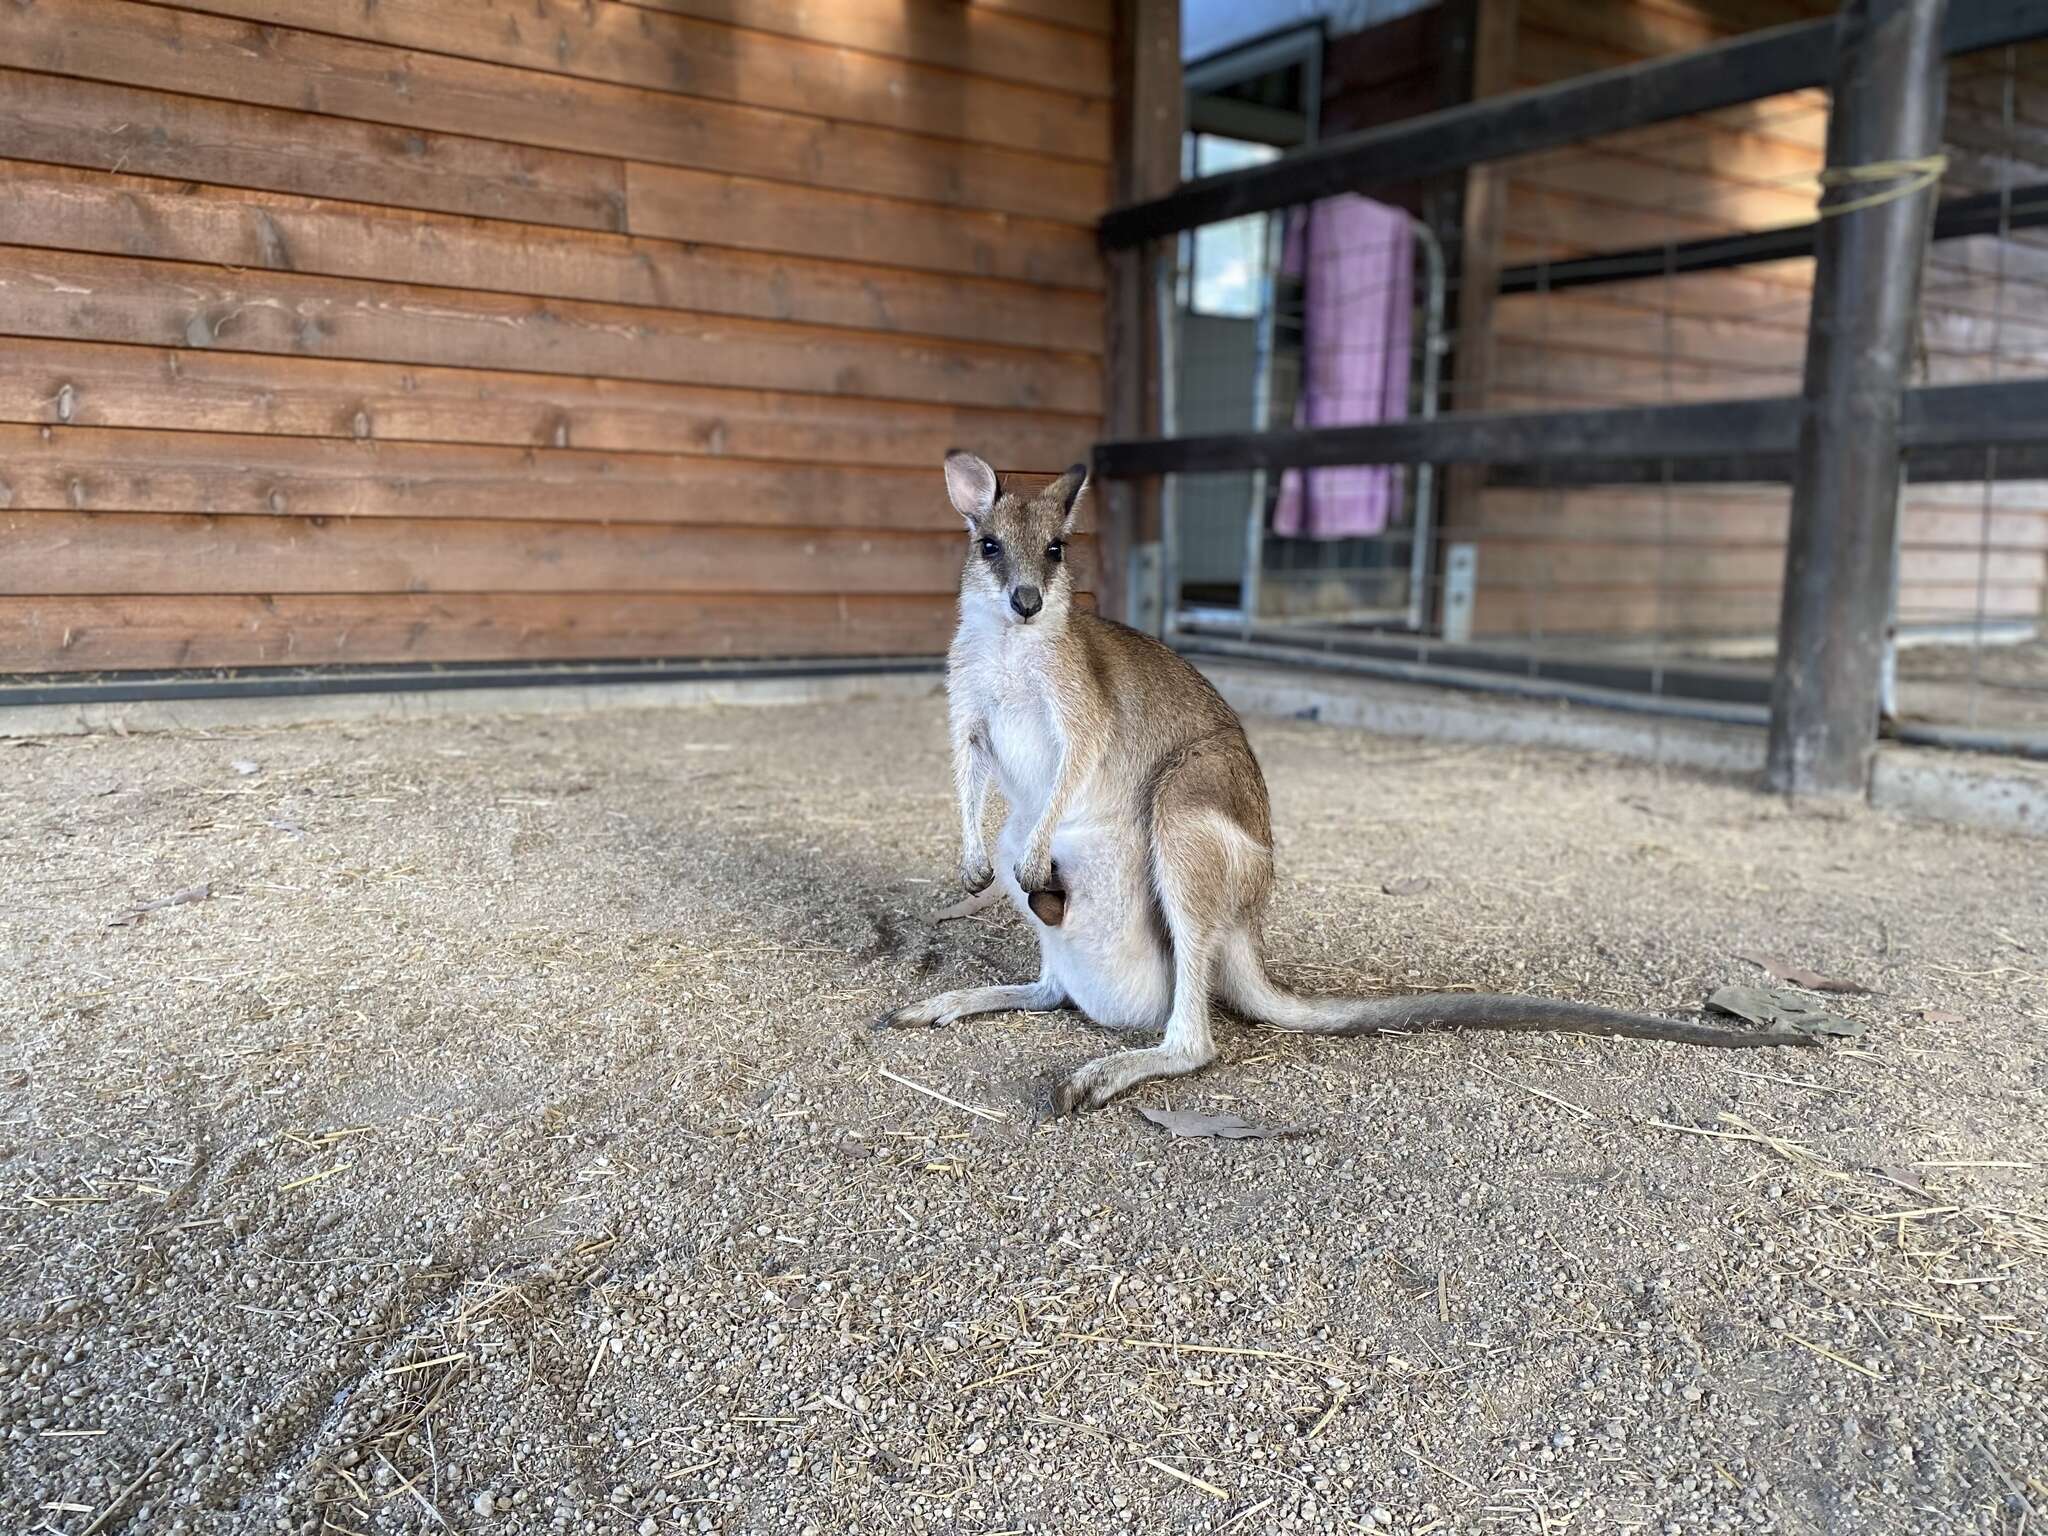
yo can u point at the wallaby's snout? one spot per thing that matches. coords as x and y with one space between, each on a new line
1016 567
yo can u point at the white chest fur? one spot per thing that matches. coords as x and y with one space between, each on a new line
998 675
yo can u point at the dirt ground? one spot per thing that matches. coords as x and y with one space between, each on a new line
501 1146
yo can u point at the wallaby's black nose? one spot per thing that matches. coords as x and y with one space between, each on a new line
1027 601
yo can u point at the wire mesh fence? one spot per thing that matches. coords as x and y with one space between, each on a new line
1662 265
1973 590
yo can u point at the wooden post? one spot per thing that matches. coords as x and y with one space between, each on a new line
1890 81
1148 113
1492 73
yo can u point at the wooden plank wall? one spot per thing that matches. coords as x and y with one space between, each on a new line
1642 560
422 332
1412 65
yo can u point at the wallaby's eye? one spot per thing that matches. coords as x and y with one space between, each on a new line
1055 551
991 549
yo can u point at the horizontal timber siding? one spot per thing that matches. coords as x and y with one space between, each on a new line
1709 560
354 334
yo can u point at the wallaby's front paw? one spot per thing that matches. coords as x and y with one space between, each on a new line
1035 875
977 873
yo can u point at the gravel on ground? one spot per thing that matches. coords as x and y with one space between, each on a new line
494 1140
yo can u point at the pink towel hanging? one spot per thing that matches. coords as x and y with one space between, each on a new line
1359 257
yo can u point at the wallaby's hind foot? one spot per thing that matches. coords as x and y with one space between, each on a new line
1109 1077
1041 996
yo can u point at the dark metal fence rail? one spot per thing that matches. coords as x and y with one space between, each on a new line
1867 251
1957 218
1943 429
1749 68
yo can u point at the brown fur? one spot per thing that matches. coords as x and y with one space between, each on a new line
1117 744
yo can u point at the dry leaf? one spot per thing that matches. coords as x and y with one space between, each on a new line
182 898
1408 885
1799 976
1769 1006
1193 1122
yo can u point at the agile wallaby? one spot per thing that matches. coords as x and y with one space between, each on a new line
1138 840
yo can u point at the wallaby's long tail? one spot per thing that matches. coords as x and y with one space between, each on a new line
1245 986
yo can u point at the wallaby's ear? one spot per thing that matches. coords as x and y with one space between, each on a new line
970 483
1067 489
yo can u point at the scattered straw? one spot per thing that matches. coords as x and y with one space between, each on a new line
1446 1471
933 1093
407 1485
1791 1151
1337 1400
1822 1350
128 1493
1189 1478
1240 1517
1022 1370
1083 1429
424 1365
314 1178
1580 1111
2019 1493
1173 1347
1790 1082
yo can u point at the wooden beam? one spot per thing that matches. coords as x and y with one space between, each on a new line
198 306
1841 558
81 554
125 43
1477 260
54 381
1956 218
1148 133
1712 428
1940 426
715 58
92 633
91 469
1758 64
1747 68
57 208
